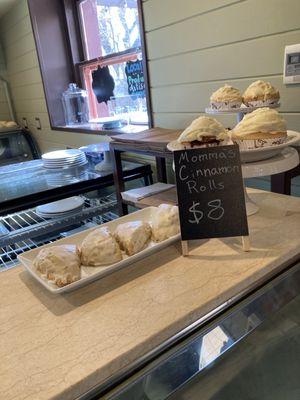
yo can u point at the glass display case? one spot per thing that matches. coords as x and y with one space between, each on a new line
17 145
26 185
250 352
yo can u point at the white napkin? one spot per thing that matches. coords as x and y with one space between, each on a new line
141 193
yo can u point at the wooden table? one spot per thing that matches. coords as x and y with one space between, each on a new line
152 142
282 183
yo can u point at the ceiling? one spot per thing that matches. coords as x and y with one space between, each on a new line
5 5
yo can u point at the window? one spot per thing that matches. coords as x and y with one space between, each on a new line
109 26
113 71
102 51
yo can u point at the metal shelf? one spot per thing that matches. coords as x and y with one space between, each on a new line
26 230
28 224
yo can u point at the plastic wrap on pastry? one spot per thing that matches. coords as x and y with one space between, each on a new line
165 223
100 248
59 264
133 236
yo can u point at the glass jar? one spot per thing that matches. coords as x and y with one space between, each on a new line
75 104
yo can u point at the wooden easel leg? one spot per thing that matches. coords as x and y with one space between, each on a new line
185 248
246 243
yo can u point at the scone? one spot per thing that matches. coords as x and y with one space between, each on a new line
59 264
226 98
10 124
260 94
261 128
100 248
203 132
165 223
133 236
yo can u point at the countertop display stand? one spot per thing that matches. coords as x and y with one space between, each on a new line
240 112
282 162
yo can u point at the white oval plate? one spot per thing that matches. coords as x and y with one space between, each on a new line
62 154
174 145
243 109
263 153
61 206
90 274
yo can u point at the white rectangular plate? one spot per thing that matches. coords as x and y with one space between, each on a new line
90 274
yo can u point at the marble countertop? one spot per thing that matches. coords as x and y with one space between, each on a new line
58 347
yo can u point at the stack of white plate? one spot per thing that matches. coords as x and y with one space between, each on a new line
56 179
64 159
61 208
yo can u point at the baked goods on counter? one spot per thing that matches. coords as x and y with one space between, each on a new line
226 98
100 248
106 247
133 236
260 94
165 223
203 132
59 264
261 128
7 124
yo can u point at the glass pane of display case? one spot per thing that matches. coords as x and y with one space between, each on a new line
265 365
251 353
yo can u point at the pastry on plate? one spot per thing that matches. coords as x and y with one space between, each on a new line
165 222
226 98
100 248
59 264
261 94
262 128
133 236
203 132
7 124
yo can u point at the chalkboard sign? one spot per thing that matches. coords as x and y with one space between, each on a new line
210 193
135 78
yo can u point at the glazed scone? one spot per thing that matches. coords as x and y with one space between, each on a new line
133 236
203 132
260 94
100 248
59 264
263 127
10 124
165 223
226 98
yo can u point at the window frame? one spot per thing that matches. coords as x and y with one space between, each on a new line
74 54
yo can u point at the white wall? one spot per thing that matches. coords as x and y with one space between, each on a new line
194 47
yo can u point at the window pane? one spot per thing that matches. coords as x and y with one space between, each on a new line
109 26
116 88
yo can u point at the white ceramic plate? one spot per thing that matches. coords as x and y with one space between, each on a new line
253 155
243 109
59 215
174 145
65 162
90 274
65 166
62 154
263 153
61 206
